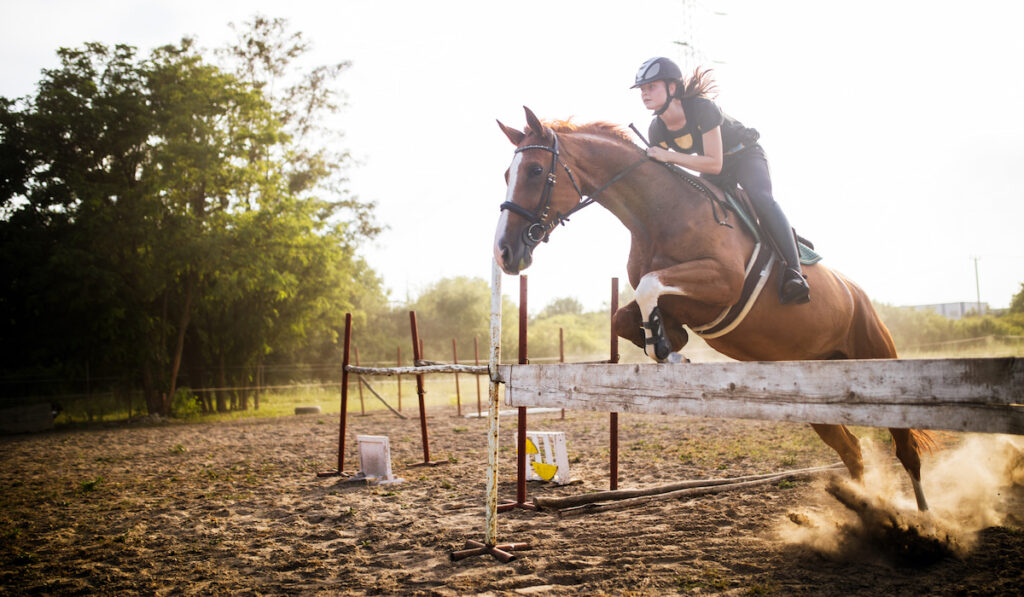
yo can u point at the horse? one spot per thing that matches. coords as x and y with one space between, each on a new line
685 265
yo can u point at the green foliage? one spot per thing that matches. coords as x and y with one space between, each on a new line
91 485
584 334
562 306
453 308
164 217
926 330
459 308
1017 302
185 404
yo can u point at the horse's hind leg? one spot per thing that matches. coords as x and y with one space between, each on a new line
908 452
846 444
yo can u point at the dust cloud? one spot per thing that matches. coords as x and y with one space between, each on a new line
976 481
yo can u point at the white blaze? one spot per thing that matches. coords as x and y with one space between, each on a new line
513 171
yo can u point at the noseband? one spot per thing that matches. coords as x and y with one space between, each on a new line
538 230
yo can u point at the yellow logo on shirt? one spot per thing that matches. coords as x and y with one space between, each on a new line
684 142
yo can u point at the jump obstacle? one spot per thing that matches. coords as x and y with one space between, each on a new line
418 371
975 395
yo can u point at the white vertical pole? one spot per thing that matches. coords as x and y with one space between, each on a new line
491 534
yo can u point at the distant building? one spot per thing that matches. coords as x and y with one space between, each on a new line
956 310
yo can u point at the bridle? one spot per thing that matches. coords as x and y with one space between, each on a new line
538 230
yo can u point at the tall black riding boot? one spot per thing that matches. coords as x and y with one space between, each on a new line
793 286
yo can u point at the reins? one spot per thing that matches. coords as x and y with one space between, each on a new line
695 183
539 230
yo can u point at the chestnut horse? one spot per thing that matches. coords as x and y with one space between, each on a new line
685 266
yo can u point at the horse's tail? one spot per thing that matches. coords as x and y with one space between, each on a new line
924 439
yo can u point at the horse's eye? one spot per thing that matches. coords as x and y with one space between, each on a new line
535 171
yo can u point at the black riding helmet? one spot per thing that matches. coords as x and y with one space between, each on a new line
658 69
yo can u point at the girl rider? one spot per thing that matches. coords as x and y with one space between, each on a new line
691 131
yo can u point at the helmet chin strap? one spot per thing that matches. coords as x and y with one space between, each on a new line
668 101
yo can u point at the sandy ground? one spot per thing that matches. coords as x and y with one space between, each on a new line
236 508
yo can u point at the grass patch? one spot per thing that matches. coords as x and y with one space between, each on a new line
709 579
88 486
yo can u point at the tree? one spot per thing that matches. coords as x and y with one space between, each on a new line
562 306
1017 302
74 205
154 209
265 54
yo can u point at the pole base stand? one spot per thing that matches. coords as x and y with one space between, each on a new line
429 463
500 552
334 474
513 505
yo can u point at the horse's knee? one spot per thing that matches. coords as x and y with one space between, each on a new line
627 323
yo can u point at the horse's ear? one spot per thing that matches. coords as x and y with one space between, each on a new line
516 137
533 122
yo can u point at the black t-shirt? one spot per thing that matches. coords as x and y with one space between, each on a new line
702 115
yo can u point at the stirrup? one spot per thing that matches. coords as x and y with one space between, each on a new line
794 288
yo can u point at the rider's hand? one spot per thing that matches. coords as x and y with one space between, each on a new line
658 153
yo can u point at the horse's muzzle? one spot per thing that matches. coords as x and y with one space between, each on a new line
513 257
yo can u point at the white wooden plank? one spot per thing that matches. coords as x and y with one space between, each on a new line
982 395
443 368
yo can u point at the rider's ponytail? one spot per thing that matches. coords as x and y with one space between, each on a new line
700 84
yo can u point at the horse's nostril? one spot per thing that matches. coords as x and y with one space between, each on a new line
506 254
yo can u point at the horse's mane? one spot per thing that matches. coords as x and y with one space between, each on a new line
601 129
617 134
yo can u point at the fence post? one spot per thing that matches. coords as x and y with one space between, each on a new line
458 392
362 405
476 361
521 439
613 422
399 380
344 401
417 355
561 355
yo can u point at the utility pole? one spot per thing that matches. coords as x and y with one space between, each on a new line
693 27
977 284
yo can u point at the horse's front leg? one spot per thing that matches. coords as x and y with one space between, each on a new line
629 324
705 283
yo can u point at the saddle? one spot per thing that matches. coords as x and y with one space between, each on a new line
737 200
762 260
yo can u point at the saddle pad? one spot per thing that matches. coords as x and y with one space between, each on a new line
808 256
759 267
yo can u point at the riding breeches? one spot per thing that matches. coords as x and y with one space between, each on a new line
749 168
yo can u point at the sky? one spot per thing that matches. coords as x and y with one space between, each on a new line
893 129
